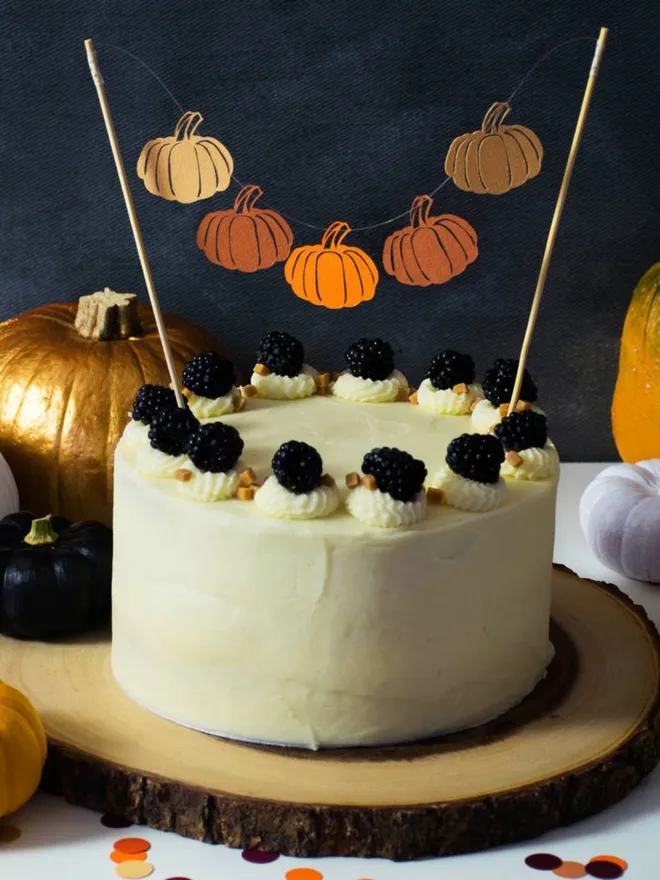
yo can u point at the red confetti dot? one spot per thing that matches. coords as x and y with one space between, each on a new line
131 845
543 862
622 863
258 857
604 870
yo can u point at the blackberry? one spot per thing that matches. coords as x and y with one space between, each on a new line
209 374
281 353
298 467
149 400
476 457
521 430
215 447
370 359
170 429
499 381
450 368
395 472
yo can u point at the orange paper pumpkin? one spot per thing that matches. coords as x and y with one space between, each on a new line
245 238
496 158
185 167
331 274
431 250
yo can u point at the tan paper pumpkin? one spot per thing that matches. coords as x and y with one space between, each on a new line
431 250
185 167
495 159
68 376
22 749
245 237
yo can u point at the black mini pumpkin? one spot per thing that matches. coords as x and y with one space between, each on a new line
55 577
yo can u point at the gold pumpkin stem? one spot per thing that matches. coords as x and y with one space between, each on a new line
41 532
187 125
246 198
420 210
108 316
495 117
335 234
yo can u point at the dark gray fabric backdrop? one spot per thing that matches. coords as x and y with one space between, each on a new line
344 110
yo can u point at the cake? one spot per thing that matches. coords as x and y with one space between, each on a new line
334 566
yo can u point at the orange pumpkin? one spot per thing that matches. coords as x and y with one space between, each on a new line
186 167
636 403
245 238
331 274
68 375
431 250
496 158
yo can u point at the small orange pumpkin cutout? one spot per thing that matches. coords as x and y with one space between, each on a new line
495 159
244 237
185 167
331 274
431 250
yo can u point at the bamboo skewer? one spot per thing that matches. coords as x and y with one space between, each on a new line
135 226
559 207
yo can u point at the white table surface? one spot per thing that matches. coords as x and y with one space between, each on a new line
60 841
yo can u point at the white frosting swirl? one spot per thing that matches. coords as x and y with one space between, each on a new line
537 464
212 407
274 500
376 508
358 390
276 387
485 415
445 400
135 434
154 463
468 494
206 486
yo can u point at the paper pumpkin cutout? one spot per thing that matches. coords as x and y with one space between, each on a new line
331 274
244 237
185 167
495 159
431 250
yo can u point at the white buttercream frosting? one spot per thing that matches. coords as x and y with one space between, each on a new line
537 464
212 407
277 387
485 416
359 390
468 494
376 508
274 500
136 434
207 486
154 463
445 400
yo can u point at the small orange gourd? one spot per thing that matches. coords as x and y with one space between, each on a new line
244 237
636 403
331 274
22 749
431 250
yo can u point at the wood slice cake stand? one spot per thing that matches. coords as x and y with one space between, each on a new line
586 736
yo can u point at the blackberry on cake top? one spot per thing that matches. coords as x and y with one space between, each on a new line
281 353
476 457
214 448
370 359
396 472
499 381
450 368
298 467
522 430
149 400
209 374
170 429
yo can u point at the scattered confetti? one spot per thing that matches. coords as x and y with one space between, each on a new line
303 874
571 870
604 870
120 857
9 833
132 845
614 859
112 821
134 870
543 862
258 857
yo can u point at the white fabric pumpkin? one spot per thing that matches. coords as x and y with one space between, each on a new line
8 490
620 518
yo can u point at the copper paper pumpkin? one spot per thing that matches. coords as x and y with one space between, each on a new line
496 158
431 250
331 274
185 167
68 375
245 238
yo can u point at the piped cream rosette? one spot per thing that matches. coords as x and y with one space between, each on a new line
358 390
275 500
485 416
470 495
213 407
135 434
456 401
206 486
154 463
369 505
534 463
274 386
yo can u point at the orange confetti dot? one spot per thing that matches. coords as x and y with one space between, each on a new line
615 860
134 870
571 870
303 874
132 845
120 857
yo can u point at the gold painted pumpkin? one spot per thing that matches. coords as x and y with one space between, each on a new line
431 250
331 274
185 167
636 402
495 159
22 749
68 375
245 237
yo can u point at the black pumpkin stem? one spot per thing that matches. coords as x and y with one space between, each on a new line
41 532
